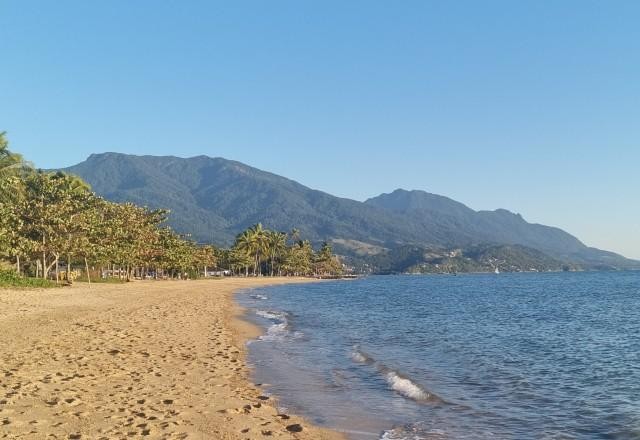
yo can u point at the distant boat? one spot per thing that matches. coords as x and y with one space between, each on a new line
497 271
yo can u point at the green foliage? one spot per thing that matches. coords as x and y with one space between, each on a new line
9 278
51 218
264 252
99 280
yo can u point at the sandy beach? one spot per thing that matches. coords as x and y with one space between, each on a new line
159 360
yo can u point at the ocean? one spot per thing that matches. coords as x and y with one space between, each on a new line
477 356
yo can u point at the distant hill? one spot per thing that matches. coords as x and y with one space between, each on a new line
214 199
453 224
479 258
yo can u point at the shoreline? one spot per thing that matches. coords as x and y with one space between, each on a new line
359 424
147 359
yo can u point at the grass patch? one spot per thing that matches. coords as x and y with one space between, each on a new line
8 278
99 280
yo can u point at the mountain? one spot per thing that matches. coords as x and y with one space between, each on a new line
214 199
456 225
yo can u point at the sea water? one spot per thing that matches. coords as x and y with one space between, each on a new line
509 356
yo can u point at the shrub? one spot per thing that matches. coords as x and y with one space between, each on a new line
9 278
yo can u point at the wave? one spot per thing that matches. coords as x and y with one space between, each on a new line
361 357
406 387
259 296
275 332
273 316
280 329
397 435
412 434
397 382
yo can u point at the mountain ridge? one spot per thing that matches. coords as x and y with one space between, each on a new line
215 198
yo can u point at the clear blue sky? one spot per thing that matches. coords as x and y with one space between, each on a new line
531 106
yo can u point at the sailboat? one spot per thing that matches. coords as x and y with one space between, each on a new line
497 271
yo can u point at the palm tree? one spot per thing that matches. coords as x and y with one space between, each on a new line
325 263
244 245
276 245
12 165
260 244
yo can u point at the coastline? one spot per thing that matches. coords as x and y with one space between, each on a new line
139 360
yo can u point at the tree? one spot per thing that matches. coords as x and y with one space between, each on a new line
45 213
75 224
243 250
325 263
238 261
299 258
205 256
259 241
12 242
11 165
276 248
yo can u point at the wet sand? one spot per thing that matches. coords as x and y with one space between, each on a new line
153 360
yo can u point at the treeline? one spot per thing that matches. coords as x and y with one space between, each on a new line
50 220
259 251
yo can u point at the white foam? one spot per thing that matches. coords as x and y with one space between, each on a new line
414 433
275 316
258 296
391 435
406 387
279 330
358 357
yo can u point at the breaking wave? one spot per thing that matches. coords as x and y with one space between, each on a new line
280 329
406 387
397 382
273 316
413 433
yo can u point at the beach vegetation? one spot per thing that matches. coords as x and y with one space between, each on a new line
258 251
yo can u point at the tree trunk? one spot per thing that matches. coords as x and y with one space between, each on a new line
18 265
69 268
57 271
86 266
46 270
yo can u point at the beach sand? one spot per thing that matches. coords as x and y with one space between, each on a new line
147 359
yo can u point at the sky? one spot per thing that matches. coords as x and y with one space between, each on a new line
532 106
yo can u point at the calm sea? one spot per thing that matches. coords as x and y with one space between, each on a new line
509 356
